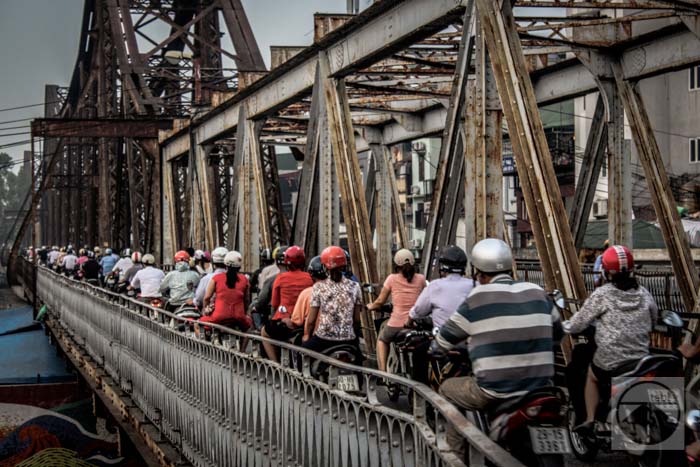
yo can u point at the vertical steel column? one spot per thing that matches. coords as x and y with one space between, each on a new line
446 193
660 189
484 167
619 170
383 201
133 193
206 239
153 243
328 196
168 214
251 196
533 160
593 157
349 177
234 209
306 213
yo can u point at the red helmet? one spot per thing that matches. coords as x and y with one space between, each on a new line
617 259
294 255
333 257
182 256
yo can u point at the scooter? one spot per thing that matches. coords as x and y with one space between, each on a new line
531 427
409 346
645 420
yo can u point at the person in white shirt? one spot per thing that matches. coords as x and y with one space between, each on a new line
69 262
148 279
217 257
124 263
53 255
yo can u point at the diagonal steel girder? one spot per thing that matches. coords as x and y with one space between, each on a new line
533 160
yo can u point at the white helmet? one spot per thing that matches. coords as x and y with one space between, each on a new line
492 255
198 255
233 259
218 256
148 259
135 257
404 256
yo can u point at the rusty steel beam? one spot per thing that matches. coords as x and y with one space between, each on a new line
610 4
354 205
619 170
448 189
533 159
484 167
593 158
306 214
98 128
660 189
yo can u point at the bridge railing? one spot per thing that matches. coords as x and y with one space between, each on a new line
222 406
659 280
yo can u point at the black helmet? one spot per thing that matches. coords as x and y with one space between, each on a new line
453 259
266 255
279 254
315 268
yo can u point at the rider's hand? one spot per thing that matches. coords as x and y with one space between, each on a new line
688 350
372 307
435 350
288 322
305 338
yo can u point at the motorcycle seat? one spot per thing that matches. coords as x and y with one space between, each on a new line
513 403
649 363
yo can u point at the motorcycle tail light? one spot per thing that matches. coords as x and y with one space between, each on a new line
533 411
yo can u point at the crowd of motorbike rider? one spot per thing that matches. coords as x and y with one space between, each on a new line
509 327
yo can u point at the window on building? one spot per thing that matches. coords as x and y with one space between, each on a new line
604 169
694 78
693 156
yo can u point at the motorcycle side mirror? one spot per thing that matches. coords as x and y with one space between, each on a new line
558 298
692 420
671 318
436 331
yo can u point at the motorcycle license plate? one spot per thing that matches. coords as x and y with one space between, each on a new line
549 440
348 383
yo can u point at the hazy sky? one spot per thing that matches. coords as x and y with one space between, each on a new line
39 45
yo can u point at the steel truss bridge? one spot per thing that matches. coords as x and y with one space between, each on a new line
194 402
173 135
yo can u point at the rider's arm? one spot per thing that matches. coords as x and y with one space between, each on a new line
136 282
383 296
165 284
200 292
275 294
210 292
454 331
422 307
591 310
310 323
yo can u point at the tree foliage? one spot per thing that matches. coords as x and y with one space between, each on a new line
13 189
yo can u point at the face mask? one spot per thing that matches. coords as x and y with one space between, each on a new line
181 266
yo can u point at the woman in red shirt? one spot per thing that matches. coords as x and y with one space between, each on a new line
285 291
232 296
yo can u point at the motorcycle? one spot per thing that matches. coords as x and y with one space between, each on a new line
345 380
409 346
531 427
646 419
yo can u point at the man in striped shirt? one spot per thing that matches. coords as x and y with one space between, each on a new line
508 326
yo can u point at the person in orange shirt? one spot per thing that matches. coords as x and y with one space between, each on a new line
285 291
303 305
404 287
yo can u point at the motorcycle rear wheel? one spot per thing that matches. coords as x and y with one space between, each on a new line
583 449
